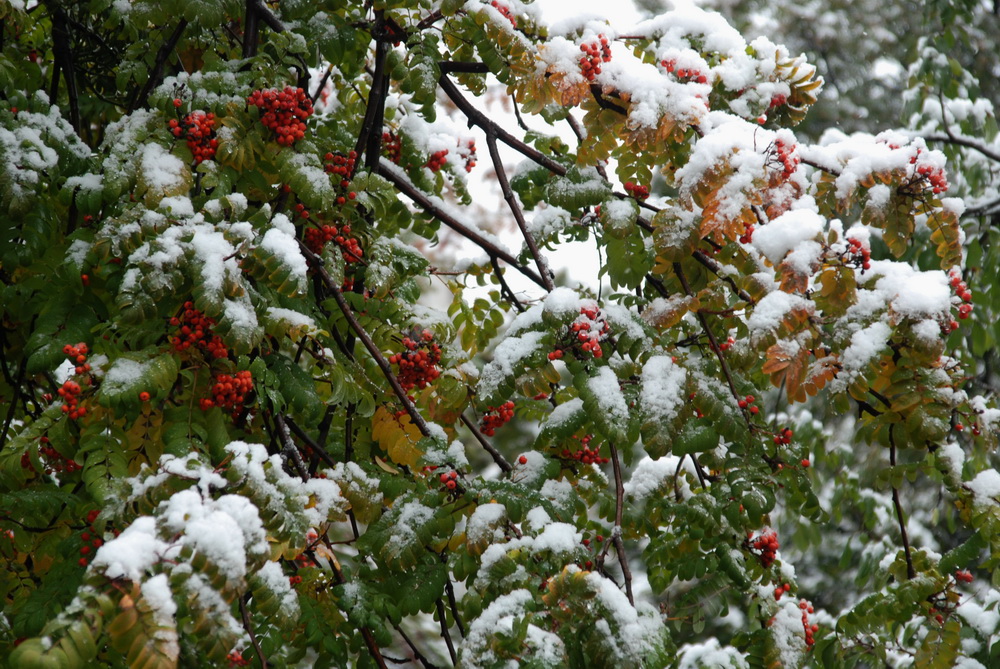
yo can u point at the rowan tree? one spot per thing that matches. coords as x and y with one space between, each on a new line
256 415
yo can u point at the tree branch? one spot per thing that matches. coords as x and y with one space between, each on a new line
508 196
380 360
417 655
399 180
444 630
910 571
497 457
249 629
616 535
167 48
504 288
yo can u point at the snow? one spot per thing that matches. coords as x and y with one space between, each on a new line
771 310
409 516
508 354
662 391
124 374
652 477
162 171
559 538
132 553
637 629
604 386
786 232
286 248
474 651
710 655
986 486
865 344
275 580
485 523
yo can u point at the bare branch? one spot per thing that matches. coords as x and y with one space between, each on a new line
249 629
616 534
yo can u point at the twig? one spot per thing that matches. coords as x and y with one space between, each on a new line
424 202
13 403
617 533
380 360
487 446
64 58
317 449
416 653
450 590
515 209
504 288
156 74
479 118
444 630
370 137
288 447
910 571
322 83
249 629
366 633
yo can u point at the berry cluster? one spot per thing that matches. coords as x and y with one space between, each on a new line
195 329
767 544
418 363
57 463
684 73
392 147
70 390
284 112
963 293
748 404
777 100
437 160
934 176
449 480
197 129
342 166
963 576
294 580
588 330
586 455
595 52
497 417
236 659
780 591
91 540
810 630
747 235
859 254
638 191
317 238
728 344
229 391
505 12
784 437
786 157
470 155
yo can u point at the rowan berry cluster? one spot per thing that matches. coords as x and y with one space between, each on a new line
342 166
496 417
784 437
92 539
787 157
284 112
470 155
963 293
777 100
963 576
236 659
437 160
317 238
294 580
505 12
810 630
588 330
728 344
70 390
449 480
747 235
418 363
935 178
859 254
767 545
229 391
56 464
595 52
780 591
392 147
638 191
748 403
690 74
197 130
195 329
586 455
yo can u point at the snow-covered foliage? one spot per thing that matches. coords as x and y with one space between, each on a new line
243 423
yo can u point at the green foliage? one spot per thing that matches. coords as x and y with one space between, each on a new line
253 409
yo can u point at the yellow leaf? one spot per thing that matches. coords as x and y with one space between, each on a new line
397 436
